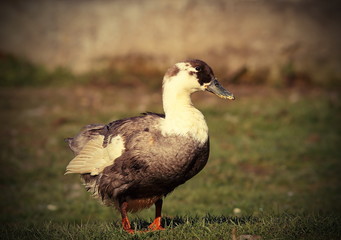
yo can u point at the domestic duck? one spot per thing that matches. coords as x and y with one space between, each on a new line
134 163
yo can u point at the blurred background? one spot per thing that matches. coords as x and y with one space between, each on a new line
263 41
275 162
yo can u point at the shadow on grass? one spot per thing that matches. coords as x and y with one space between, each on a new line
171 223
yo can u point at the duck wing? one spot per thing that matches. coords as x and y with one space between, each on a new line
98 146
93 158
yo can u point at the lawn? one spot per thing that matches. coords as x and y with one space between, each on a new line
273 172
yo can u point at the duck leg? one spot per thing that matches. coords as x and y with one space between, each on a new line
125 221
156 224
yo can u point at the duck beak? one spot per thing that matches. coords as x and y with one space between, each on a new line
217 89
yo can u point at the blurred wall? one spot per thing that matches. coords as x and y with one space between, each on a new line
261 34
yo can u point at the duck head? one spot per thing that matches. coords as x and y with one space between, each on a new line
192 76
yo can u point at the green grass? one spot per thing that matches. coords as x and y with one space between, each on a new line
275 155
185 227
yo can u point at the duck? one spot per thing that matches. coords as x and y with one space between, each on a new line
133 163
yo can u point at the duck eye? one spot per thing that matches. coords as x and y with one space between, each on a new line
198 68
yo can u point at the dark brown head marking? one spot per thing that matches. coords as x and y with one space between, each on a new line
172 71
203 71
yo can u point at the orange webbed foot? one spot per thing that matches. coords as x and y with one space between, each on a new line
156 225
126 226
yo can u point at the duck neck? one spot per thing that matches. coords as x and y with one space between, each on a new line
176 104
182 118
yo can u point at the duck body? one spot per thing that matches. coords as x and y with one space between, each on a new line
150 166
134 162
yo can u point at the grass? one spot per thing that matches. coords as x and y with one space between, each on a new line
275 156
207 227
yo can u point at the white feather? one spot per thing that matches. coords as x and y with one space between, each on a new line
93 158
